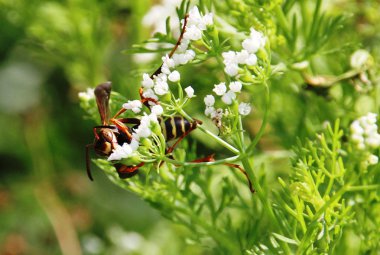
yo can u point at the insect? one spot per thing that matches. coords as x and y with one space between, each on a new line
115 132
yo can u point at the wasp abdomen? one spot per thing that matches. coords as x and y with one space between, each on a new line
175 126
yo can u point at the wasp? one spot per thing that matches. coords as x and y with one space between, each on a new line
114 131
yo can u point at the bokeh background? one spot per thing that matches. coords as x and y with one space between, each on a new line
50 51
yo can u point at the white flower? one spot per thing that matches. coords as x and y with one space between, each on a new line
134 144
189 91
251 60
251 45
192 33
121 152
228 97
242 56
232 69
89 94
183 46
220 89
174 76
372 159
359 59
364 132
244 108
196 19
208 19
161 87
209 100
235 86
209 110
149 93
255 41
230 57
189 55
157 110
168 61
147 81
134 105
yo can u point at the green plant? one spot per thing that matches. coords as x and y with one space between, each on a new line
277 57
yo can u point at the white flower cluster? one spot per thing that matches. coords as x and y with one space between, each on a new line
158 86
247 56
227 97
365 136
144 130
88 95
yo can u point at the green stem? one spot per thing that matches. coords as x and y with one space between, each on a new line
196 164
213 136
283 22
264 123
265 201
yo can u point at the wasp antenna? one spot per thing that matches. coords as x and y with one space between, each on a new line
88 163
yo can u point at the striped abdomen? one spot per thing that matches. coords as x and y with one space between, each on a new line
175 126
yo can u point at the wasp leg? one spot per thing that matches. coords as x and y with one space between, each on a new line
243 172
127 171
88 163
210 158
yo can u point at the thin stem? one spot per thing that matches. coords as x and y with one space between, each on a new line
264 200
263 124
213 136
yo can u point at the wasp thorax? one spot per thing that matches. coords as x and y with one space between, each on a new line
105 142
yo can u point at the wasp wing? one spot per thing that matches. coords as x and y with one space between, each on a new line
102 94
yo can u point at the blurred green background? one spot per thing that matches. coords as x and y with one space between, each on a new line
50 51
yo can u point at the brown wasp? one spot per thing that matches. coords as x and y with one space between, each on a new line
115 131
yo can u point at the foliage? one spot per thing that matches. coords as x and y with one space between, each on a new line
297 113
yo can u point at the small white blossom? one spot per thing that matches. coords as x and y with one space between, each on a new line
196 19
192 33
232 70
255 41
359 59
244 108
161 87
120 152
209 100
89 94
251 60
168 61
208 19
189 91
134 144
149 93
189 55
230 57
209 110
174 76
228 97
242 56
134 105
157 110
147 81
235 86
372 159
220 89
183 46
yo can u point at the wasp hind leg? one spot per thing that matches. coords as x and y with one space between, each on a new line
125 172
